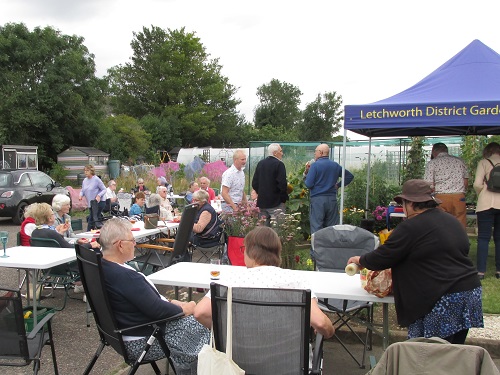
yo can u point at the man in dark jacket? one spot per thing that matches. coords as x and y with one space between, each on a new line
269 181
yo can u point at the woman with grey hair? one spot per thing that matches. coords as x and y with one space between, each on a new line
61 204
136 301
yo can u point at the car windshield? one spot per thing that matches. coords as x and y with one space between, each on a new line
5 179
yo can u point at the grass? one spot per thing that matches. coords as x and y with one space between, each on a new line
491 285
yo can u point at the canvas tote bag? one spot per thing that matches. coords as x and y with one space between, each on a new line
213 362
151 221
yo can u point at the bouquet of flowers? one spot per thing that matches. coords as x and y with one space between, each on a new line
239 223
380 214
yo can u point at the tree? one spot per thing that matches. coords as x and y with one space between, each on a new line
322 118
415 160
279 105
49 95
170 76
124 138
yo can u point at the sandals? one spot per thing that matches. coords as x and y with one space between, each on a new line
480 275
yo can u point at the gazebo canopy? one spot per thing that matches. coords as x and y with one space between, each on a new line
461 97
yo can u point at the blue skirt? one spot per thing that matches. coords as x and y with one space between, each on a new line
453 313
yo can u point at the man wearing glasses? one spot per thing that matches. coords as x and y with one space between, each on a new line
322 179
269 181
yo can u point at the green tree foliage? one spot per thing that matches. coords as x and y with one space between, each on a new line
170 76
164 132
279 105
124 138
49 94
415 160
322 118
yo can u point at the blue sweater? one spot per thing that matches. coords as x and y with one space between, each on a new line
324 175
133 300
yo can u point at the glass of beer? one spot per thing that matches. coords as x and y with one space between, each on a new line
214 269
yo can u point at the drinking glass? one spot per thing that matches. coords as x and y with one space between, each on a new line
4 236
214 269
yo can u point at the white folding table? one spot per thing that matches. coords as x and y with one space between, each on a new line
324 285
33 260
138 230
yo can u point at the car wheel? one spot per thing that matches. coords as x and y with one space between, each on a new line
19 216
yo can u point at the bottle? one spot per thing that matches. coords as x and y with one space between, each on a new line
351 269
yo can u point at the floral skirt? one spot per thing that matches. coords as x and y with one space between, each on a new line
453 313
184 337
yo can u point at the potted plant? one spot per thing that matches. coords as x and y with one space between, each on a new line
236 225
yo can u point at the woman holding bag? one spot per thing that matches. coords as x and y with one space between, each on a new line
487 210
436 288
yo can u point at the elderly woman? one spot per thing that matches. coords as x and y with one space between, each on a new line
207 225
436 288
487 210
61 205
135 301
263 257
93 189
28 225
45 220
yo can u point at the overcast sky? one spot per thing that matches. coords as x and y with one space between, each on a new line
364 50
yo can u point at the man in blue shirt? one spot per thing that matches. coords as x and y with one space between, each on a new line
322 179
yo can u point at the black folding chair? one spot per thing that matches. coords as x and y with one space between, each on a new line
160 256
332 247
209 248
17 347
89 263
271 329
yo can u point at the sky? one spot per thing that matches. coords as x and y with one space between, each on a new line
364 50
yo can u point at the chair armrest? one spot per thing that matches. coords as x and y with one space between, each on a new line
317 355
169 240
174 317
154 247
40 325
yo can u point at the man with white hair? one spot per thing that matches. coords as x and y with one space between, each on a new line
165 206
111 195
233 183
269 181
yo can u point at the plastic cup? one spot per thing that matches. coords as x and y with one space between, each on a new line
214 269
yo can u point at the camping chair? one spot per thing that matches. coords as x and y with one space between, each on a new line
63 275
17 347
161 256
89 264
434 356
271 329
77 224
209 248
331 248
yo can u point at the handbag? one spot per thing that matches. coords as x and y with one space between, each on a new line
213 362
151 221
379 283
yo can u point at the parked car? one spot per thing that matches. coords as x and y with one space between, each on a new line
20 188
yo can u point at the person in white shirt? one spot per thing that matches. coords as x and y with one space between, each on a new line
233 183
111 195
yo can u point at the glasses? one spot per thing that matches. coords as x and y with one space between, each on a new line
242 249
132 240
141 183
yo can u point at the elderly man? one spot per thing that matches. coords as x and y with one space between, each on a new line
165 206
269 181
205 185
111 195
136 301
193 186
322 179
450 178
233 183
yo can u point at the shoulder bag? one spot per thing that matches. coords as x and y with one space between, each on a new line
213 362
151 221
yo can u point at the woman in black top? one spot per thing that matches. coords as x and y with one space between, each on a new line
436 288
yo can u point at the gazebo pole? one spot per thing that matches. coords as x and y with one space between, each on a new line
368 170
343 176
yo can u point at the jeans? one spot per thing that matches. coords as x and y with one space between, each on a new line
323 212
486 220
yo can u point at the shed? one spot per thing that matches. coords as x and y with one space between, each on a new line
19 157
75 158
